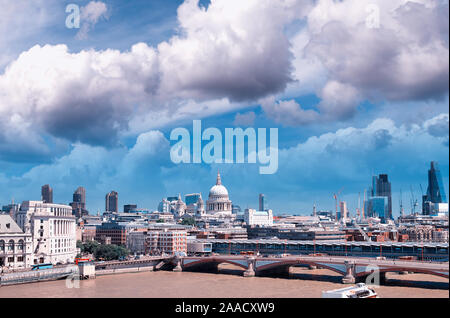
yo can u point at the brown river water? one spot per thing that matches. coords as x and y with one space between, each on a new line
228 283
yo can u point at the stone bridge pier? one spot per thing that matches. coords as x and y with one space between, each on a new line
349 277
251 265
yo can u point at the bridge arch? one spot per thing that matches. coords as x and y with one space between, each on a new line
284 264
187 263
405 269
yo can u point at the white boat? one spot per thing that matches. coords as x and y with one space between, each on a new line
358 291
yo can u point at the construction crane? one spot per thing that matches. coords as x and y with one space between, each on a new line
336 197
402 211
358 210
414 203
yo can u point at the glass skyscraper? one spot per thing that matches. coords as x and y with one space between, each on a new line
381 188
435 190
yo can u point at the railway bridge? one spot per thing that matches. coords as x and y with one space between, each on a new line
351 268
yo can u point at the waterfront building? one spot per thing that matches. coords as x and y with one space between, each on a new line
260 218
79 203
47 194
112 202
219 203
435 191
53 231
167 241
15 245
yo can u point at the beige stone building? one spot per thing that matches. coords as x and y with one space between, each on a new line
15 245
53 231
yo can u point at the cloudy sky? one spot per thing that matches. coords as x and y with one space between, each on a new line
355 88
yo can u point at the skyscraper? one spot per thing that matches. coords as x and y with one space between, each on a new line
112 202
79 203
47 194
381 187
262 202
435 190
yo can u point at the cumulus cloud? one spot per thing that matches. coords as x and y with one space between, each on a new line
87 96
223 58
288 113
97 168
90 15
405 58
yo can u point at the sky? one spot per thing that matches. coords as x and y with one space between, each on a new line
355 88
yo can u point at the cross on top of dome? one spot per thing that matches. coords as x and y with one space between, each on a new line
219 181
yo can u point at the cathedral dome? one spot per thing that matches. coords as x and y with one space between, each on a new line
218 190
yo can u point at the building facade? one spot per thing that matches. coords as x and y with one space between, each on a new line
435 191
79 203
260 218
15 245
47 194
112 202
53 231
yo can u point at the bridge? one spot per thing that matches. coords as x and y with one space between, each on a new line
351 268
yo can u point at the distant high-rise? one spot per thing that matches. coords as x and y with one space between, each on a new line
128 208
79 203
435 191
262 202
112 202
47 194
343 210
381 187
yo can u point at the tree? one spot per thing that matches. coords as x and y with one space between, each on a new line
110 252
188 221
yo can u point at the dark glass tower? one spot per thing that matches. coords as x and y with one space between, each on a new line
79 203
112 202
435 191
47 194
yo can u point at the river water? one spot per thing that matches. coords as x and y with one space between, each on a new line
228 283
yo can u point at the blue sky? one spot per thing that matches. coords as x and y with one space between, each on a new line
95 106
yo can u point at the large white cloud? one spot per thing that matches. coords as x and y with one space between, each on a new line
222 59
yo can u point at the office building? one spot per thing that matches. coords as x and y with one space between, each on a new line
47 194
53 230
262 201
381 187
378 208
112 202
343 210
259 218
79 203
192 198
129 208
435 191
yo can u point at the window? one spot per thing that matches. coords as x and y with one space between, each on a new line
20 258
11 259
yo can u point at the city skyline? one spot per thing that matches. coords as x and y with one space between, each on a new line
351 98
118 206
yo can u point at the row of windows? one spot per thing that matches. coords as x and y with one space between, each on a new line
11 244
